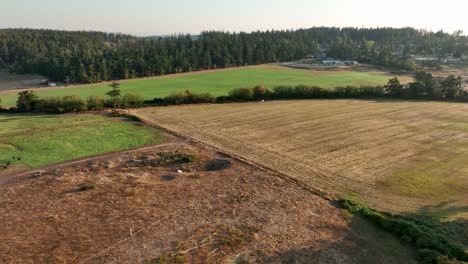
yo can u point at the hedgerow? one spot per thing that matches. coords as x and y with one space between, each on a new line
432 243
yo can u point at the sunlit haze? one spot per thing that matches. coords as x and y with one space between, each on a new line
157 17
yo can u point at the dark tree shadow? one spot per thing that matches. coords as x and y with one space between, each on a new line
361 243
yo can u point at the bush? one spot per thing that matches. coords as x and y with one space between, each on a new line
431 241
204 98
242 94
27 101
188 97
73 103
176 98
95 102
223 99
155 101
283 92
176 157
50 105
131 100
299 92
261 92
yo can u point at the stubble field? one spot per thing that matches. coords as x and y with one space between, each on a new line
398 156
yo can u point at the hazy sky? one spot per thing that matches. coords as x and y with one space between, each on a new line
157 17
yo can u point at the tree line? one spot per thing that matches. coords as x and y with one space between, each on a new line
89 57
425 87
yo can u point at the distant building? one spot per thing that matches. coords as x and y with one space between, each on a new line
451 60
351 62
425 59
48 83
332 62
434 59
339 62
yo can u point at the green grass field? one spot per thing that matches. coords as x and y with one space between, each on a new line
221 82
40 139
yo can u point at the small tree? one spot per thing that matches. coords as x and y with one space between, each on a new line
451 86
27 101
394 87
417 89
115 94
426 80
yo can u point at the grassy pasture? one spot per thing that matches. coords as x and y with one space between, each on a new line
40 139
399 156
219 82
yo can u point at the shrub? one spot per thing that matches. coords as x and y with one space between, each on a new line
371 91
132 100
188 97
95 102
204 98
261 92
242 94
176 157
176 98
283 92
73 103
27 101
109 103
303 92
223 99
431 241
155 101
50 105
299 92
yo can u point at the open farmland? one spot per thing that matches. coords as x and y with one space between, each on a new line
39 140
218 82
398 156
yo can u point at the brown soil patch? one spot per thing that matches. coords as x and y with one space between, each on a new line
103 210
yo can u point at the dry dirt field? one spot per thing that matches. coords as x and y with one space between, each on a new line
123 208
399 156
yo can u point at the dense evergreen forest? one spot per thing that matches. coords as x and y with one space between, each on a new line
87 57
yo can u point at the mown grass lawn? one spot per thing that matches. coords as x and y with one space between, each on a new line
42 139
221 82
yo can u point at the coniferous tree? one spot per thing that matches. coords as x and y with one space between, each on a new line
115 94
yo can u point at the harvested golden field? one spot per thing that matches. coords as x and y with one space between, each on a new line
397 155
